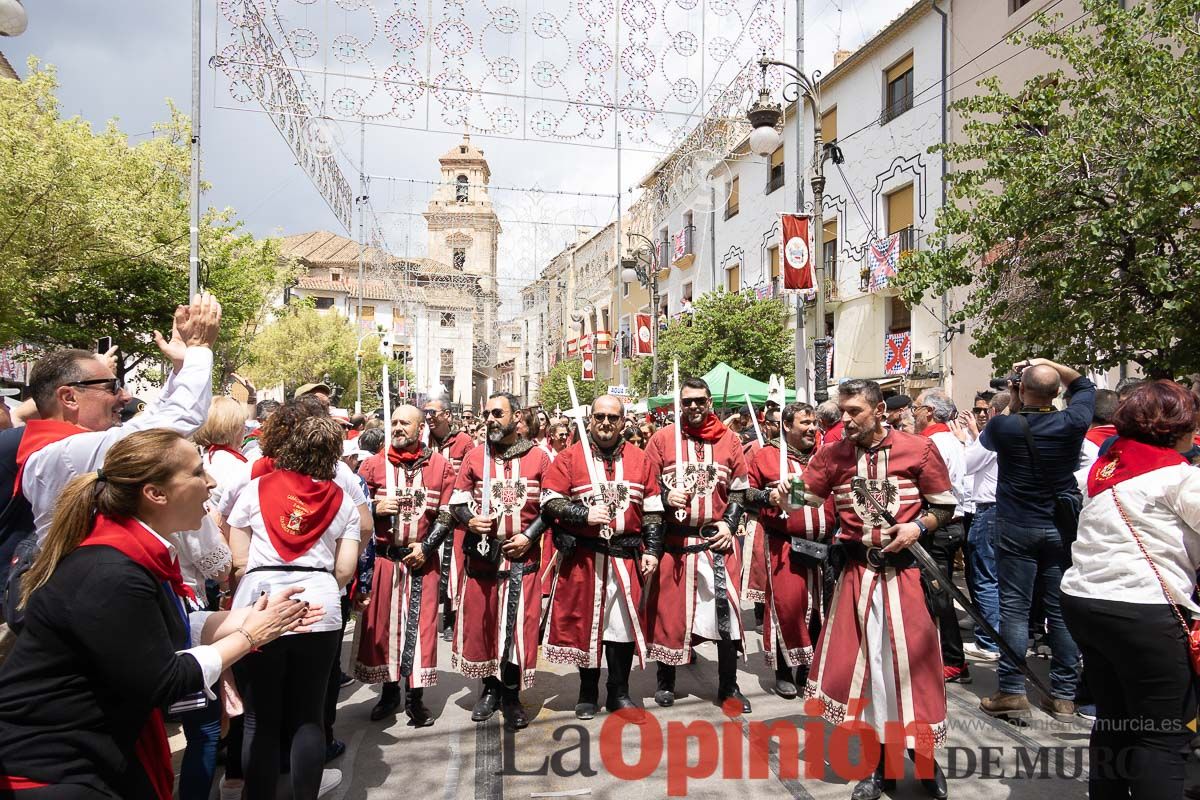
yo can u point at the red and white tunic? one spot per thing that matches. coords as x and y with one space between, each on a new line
483 601
454 449
594 597
423 489
754 555
880 647
793 589
681 609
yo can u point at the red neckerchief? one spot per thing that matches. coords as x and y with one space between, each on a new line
40 433
1128 458
710 429
836 433
224 448
397 457
296 510
937 427
261 467
142 547
1099 434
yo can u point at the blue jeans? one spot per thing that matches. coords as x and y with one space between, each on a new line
202 730
981 573
1025 556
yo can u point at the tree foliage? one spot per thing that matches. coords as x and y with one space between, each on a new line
94 233
553 393
747 333
1075 207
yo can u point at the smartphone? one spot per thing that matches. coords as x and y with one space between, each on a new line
103 344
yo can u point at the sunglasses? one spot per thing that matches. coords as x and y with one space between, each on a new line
495 413
111 385
979 410
607 417
432 412
694 401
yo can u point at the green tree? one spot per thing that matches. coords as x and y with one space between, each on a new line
1075 209
553 391
94 233
747 333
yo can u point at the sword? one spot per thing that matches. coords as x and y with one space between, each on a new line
936 577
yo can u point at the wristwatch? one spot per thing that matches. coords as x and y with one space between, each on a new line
924 528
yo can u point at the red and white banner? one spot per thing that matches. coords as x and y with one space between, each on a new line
603 341
572 346
797 253
589 367
642 337
897 353
585 343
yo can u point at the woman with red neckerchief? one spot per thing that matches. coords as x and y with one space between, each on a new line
108 636
1130 593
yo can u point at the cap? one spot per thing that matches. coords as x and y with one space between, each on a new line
134 407
350 448
309 388
897 402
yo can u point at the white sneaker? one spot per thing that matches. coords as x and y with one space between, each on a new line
230 790
330 780
972 650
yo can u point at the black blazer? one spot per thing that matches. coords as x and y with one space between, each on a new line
96 656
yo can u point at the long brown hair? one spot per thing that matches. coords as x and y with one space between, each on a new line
138 459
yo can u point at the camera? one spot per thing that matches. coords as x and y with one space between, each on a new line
998 384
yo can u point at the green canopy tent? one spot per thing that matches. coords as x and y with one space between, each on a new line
739 386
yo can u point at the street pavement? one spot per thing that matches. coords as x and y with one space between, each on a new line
458 759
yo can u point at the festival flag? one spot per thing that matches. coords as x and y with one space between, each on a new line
797 254
603 341
882 257
643 339
572 346
589 367
585 343
897 353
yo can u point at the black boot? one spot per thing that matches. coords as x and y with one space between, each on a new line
727 687
874 785
665 693
417 713
784 686
510 702
619 656
489 701
389 701
935 786
589 693
760 613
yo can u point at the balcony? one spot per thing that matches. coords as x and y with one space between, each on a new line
909 238
832 293
682 252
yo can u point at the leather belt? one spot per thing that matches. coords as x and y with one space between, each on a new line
392 552
681 549
621 547
874 557
500 574
720 576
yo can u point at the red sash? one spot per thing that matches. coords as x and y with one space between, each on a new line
937 427
40 433
1128 458
139 545
710 429
224 448
1099 434
296 510
261 467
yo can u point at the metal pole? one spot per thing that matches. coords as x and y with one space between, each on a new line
821 343
653 324
801 349
194 187
615 322
362 201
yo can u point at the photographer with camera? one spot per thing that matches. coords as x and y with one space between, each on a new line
1037 509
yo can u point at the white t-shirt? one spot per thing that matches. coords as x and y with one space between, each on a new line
319 587
344 477
223 467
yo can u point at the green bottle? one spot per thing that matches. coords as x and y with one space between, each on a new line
797 495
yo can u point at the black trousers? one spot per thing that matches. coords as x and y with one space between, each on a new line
1135 661
946 542
334 687
283 689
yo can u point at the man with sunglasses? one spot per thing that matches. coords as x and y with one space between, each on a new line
453 444
696 596
600 532
496 635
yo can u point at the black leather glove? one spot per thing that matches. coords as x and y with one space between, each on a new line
461 513
436 536
564 542
733 516
758 499
535 530
652 534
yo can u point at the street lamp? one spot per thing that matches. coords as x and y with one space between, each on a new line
632 270
764 117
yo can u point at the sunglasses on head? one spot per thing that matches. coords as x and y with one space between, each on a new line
606 417
111 385
693 401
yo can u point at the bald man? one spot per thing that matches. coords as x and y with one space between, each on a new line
412 520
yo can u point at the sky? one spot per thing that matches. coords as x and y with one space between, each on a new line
123 60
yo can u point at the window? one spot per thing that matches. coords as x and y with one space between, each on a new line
731 199
687 296
664 248
773 262
368 314
323 303
898 96
829 245
460 258
604 320
829 125
448 320
688 227
733 278
775 170
447 361
335 274
900 217
899 315
1016 5
462 190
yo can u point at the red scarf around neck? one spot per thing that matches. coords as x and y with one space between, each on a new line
40 433
1128 458
138 544
937 427
710 428
224 448
1100 434
296 510
398 457
261 467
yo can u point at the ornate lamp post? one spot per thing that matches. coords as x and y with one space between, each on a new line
632 270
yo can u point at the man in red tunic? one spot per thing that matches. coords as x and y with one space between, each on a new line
496 634
695 597
599 532
794 572
878 658
452 444
400 619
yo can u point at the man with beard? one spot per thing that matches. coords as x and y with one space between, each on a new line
599 532
695 598
496 635
452 444
794 572
879 647
400 618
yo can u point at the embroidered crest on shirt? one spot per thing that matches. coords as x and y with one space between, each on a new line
883 490
291 523
700 479
1108 470
411 503
508 496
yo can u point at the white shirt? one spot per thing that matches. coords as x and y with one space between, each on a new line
1164 508
240 479
982 468
223 467
203 555
183 407
953 453
319 587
